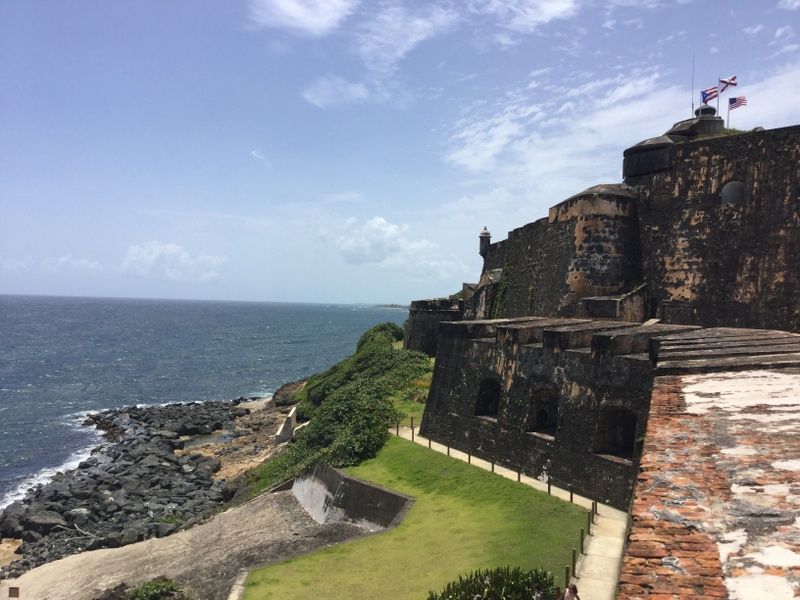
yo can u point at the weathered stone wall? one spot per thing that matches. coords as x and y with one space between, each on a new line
424 317
720 230
496 256
587 246
533 362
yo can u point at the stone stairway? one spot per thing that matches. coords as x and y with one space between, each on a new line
724 348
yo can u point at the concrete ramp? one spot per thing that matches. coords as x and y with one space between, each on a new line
331 496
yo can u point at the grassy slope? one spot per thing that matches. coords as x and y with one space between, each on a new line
464 518
351 406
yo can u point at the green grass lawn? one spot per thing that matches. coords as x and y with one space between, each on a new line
464 518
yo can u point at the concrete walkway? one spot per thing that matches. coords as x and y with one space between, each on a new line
597 569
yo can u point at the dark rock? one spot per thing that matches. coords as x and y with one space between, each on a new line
164 529
118 495
130 536
31 536
43 521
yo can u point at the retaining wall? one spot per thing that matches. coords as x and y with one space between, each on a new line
329 495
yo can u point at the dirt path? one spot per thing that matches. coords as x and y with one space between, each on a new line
205 559
7 550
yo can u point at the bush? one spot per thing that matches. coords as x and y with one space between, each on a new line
349 406
156 589
502 583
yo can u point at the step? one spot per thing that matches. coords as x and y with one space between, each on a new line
530 332
599 307
738 363
635 340
786 347
579 336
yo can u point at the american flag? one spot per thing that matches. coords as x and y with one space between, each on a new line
730 81
736 102
709 94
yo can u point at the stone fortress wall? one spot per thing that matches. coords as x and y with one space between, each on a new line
711 226
550 366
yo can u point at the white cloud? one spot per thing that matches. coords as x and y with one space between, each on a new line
525 16
348 197
67 261
527 154
612 4
713 50
257 154
784 32
393 32
171 262
312 17
785 49
50 264
332 91
524 136
755 29
379 242
768 104
789 4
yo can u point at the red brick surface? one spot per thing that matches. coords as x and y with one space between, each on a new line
710 478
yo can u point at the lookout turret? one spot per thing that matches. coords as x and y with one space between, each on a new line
485 239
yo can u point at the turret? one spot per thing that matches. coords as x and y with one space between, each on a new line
485 239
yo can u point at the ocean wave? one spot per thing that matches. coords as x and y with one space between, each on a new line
46 475
73 460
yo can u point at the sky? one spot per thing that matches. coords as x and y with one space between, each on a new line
337 150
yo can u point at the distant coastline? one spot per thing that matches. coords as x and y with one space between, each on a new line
397 306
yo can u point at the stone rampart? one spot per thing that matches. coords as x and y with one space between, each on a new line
720 231
423 322
576 313
587 246
535 395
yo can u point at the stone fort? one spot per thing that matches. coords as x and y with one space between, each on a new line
636 346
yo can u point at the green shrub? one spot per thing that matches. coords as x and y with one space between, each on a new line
502 583
156 589
350 407
173 519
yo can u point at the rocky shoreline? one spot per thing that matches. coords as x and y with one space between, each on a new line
131 488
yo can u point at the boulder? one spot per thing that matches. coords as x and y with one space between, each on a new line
42 521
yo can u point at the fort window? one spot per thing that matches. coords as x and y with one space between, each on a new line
732 193
488 404
616 433
543 415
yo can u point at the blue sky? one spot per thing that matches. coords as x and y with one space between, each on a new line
337 150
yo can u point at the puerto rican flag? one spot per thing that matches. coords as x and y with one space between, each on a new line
726 83
709 94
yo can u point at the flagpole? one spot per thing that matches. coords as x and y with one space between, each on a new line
692 86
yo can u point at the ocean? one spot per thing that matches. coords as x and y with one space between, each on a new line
61 358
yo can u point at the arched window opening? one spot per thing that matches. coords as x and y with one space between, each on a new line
543 413
616 433
488 404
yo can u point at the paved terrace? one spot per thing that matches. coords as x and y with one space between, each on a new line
716 510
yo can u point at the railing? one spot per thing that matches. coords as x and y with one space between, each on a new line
591 515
